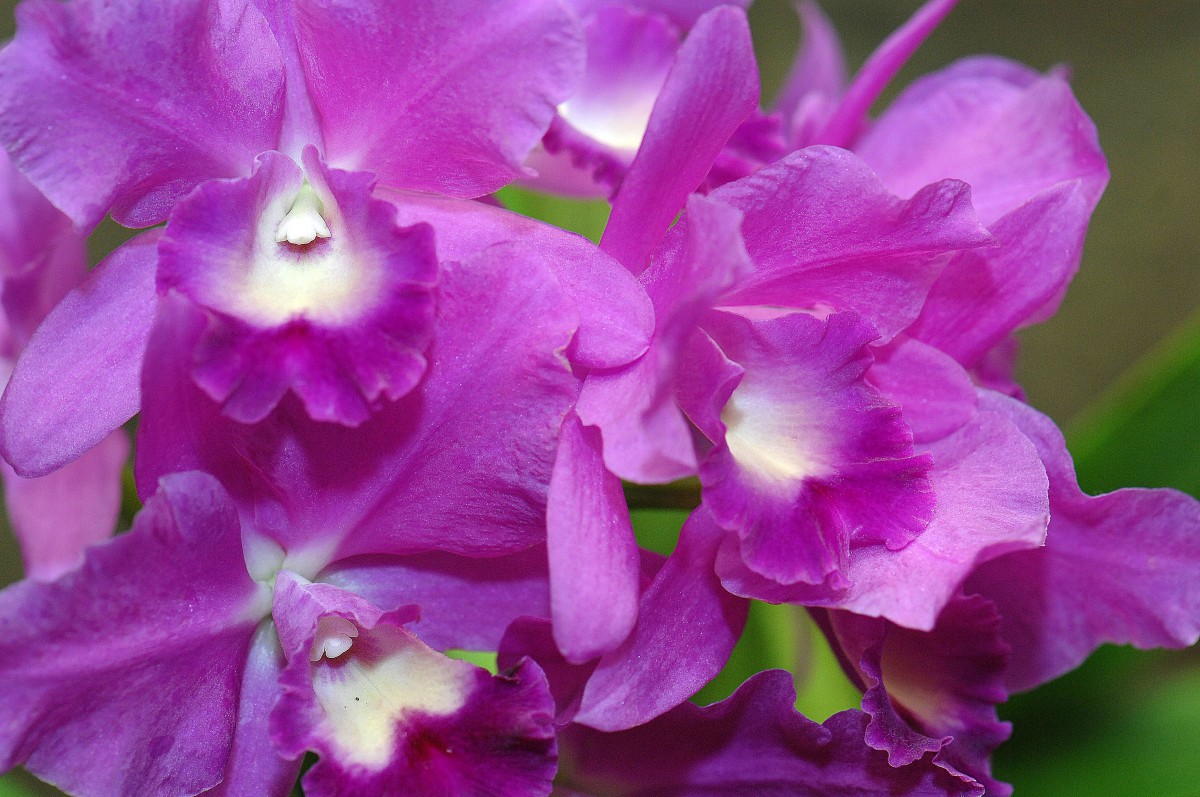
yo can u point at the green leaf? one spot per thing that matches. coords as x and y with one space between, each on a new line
1125 723
1145 432
485 659
783 637
586 217
658 529
780 637
22 784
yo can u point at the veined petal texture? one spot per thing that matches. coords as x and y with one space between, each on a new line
822 228
683 13
136 657
710 90
87 357
436 96
753 743
812 458
153 97
1119 567
615 315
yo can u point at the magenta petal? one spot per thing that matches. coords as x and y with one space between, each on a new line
687 626
951 680
1116 568
469 458
341 320
646 439
996 371
500 743
121 678
42 257
705 387
813 459
35 286
77 380
388 715
533 638
754 743
571 164
683 13
593 554
851 115
130 105
936 394
985 295
1009 132
615 316
711 89
466 603
255 767
57 516
824 231
434 96
301 126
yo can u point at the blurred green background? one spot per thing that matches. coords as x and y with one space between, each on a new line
1119 366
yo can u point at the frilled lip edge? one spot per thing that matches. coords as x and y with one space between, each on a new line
341 320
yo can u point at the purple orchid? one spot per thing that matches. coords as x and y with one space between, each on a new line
41 258
257 611
930 693
752 743
218 666
803 411
764 336
383 420
460 464
1117 568
270 171
1036 172
1028 616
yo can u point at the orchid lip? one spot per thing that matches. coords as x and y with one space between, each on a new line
759 437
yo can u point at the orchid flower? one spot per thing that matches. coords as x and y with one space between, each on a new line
269 170
735 291
193 654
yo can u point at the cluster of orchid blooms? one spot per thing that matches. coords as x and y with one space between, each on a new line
380 417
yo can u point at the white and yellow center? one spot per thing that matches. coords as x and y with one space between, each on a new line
781 443
366 698
303 265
